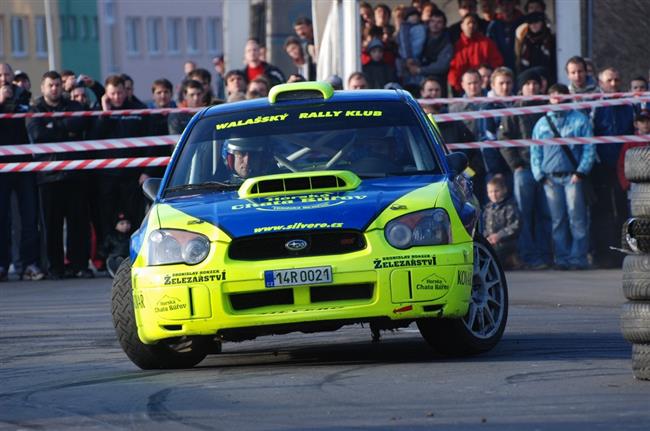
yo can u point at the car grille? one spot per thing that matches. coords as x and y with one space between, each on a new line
272 246
317 294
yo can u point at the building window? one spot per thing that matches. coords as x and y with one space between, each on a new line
2 36
62 27
94 25
214 32
133 36
41 36
193 35
84 31
173 35
72 27
19 41
154 32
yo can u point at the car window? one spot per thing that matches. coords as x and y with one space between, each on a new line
371 140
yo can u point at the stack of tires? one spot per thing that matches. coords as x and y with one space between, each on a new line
635 317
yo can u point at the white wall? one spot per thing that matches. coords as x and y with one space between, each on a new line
569 30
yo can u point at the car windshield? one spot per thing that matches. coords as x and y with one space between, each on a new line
375 139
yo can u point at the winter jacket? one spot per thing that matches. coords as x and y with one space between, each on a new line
471 53
122 126
503 34
411 39
501 218
537 49
551 159
612 121
57 129
379 74
272 73
518 127
14 131
116 244
436 56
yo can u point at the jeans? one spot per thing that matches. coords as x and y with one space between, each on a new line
570 220
534 242
24 184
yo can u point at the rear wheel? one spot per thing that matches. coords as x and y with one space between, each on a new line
482 328
180 352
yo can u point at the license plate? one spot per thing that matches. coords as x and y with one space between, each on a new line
298 276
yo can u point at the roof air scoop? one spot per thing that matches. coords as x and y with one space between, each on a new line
299 182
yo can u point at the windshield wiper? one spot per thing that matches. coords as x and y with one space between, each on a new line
207 185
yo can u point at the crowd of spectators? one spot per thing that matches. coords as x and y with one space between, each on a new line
550 206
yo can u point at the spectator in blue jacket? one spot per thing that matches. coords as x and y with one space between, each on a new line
437 52
564 181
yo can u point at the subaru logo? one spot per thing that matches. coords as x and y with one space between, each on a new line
296 245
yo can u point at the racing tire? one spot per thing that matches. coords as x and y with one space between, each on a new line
635 322
637 164
636 277
182 352
641 361
640 200
637 228
483 325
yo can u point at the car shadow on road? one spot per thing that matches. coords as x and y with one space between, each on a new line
518 348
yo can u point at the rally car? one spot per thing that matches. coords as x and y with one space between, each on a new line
307 211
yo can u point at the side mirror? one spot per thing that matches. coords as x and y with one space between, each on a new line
457 162
150 187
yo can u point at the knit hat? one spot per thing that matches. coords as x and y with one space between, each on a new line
335 81
119 217
643 115
408 11
535 17
374 43
529 75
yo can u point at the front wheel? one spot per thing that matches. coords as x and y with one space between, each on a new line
483 325
181 352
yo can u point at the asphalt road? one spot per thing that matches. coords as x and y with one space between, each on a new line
562 365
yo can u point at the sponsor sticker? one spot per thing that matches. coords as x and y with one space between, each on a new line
194 277
169 303
138 301
464 278
297 226
299 202
251 121
401 261
432 282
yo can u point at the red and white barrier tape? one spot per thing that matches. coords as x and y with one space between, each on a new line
123 112
540 109
94 145
536 98
141 162
630 98
73 165
550 141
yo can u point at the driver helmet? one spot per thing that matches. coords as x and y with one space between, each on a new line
255 145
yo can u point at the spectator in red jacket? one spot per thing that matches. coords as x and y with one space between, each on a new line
642 126
471 50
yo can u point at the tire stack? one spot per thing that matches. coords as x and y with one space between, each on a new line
635 317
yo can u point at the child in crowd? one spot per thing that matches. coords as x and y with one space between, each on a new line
501 222
116 244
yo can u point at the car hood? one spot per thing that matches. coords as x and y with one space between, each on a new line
354 209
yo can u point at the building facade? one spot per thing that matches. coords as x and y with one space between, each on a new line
149 40
79 37
23 37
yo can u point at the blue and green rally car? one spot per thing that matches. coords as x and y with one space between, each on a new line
307 211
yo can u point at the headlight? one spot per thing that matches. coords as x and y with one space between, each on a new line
177 246
429 227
